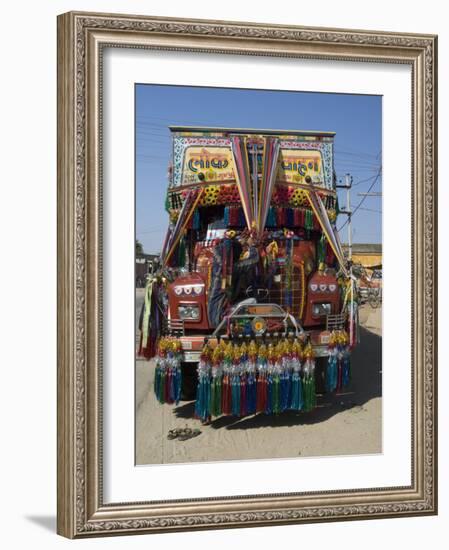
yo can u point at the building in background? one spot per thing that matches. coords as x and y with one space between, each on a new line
366 254
367 267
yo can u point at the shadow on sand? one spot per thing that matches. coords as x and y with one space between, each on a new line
366 384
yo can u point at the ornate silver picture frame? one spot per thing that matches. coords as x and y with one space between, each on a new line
82 39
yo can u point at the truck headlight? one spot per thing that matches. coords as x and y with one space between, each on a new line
191 312
321 310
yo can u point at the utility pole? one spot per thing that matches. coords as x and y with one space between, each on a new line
353 332
348 211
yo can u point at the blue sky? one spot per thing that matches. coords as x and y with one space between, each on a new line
356 119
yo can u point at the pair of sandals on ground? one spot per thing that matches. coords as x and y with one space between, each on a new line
182 434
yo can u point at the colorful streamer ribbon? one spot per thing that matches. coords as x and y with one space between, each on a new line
331 234
243 177
269 167
190 203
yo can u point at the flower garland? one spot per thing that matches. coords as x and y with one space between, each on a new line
167 377
245 379
287 204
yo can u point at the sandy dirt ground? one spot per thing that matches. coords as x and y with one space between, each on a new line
346 424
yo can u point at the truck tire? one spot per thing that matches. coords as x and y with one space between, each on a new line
189 381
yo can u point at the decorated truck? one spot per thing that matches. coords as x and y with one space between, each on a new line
251 307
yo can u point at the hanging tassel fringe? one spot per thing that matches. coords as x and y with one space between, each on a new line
167 377
196 220
271 218
331 373
309 379
226 217
308 220
203 391
240 380
338 366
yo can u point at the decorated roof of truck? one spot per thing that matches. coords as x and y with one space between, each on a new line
210 155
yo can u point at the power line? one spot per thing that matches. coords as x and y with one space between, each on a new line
160 230
358 162
180 121
364 180
361 201
152 162
371 210
358 169
141 122
357 153
151 132
144 133
142 156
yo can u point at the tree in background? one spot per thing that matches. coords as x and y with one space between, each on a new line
139 247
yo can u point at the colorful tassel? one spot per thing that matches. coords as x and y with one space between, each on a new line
308 370
168 376
241 379
338 366
308 220
226 217
332 364
261 384
202 403
216 384
321 250
271 218
226 382
296 399
196 220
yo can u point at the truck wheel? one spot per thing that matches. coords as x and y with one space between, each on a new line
320 374
189 381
